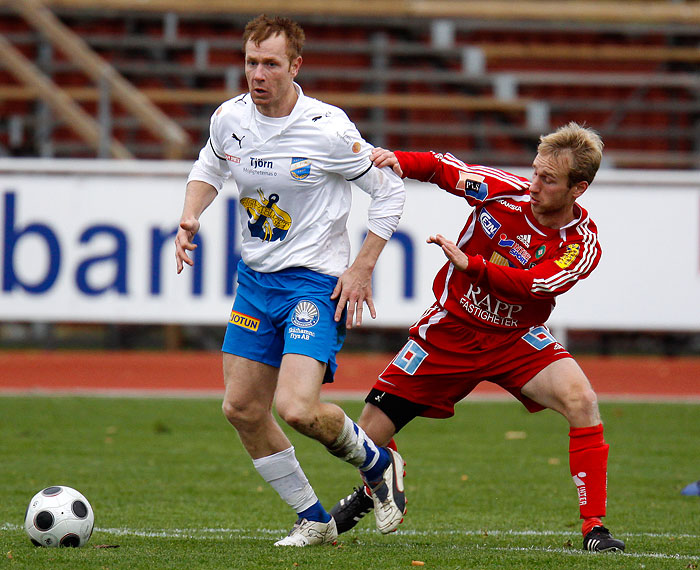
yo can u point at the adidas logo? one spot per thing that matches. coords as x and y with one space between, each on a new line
524 239
592 544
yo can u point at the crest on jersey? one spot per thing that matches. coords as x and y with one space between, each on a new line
305 314
300 167
266 220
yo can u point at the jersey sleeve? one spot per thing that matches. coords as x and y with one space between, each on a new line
572 261
388 196
210 166
475 183
348 152
349 157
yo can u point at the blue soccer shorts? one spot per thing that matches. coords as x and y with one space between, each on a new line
285 312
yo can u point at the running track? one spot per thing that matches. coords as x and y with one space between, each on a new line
199 374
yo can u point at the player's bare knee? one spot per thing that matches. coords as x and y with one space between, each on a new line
231 412
296 415
239 414
581 407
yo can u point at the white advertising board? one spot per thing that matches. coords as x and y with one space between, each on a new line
92 241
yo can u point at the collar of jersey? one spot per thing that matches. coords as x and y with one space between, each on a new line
249 123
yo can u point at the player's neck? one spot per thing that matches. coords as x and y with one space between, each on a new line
554 220
281 107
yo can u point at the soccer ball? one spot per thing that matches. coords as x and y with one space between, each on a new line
59 516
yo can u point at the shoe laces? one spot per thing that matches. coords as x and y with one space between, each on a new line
357 496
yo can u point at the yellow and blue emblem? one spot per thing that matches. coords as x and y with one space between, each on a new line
300 167
267 220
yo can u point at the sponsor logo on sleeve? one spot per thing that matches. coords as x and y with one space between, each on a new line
356 147
489 223
472 185
244 321
572 251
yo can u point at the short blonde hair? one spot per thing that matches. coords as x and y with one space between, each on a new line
582 144
263 27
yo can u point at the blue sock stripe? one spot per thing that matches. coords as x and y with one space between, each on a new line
315 512
370 456
375 472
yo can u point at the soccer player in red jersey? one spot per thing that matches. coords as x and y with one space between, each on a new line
525 242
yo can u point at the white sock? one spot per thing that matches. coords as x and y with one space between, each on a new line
353 446
283 472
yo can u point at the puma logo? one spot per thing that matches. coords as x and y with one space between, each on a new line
234 136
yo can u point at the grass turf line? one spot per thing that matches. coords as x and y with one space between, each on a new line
476 497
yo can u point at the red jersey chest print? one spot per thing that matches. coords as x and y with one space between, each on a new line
516 266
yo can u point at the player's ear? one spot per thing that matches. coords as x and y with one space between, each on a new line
295 65
579 188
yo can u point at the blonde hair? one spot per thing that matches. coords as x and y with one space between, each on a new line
582 144
262 27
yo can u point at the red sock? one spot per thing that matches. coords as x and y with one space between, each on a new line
588 462
589 524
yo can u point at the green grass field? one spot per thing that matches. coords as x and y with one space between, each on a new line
172 487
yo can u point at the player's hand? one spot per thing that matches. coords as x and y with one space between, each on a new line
458 258
354 289
184 242
381 157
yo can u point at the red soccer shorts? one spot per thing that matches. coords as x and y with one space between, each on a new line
444 360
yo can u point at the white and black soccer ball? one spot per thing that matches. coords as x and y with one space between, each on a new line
59 516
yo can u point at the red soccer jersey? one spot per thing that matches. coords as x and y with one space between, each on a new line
516 266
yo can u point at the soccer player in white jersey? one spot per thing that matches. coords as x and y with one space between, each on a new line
293 158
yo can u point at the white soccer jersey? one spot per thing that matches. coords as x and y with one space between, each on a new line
294 183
